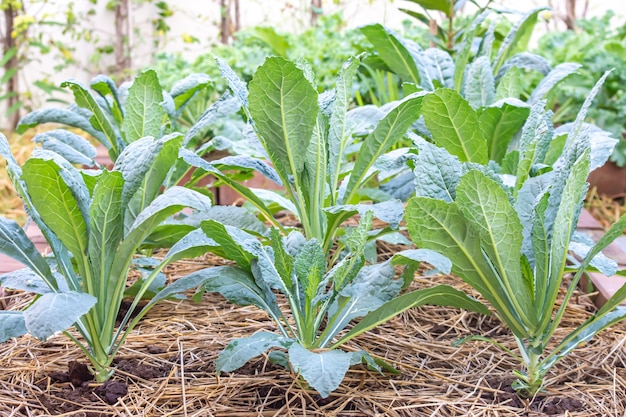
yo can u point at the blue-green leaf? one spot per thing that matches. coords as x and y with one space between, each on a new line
239 351
12 324
324 371
55 312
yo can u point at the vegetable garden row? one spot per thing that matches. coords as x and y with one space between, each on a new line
467 166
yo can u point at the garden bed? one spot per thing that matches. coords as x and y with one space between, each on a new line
177 342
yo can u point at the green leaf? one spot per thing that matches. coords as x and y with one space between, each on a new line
231 241
393 52
510 85
487 207
337 132
155 166
15 243
184 90
278 43
553 78
439 66
76 149
104 86
239 351
526 61
387 133
480 86
106 228
283 105
98 120
436 171
225 106
239 287
12 324
442 227
445 6
499 124
517 38
55 312
324 371
441 295
144 114
454 125
62 116
56 203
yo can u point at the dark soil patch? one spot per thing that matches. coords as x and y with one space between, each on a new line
547 405
73 391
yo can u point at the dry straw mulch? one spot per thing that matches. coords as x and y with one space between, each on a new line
180 340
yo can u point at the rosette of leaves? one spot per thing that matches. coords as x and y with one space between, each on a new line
304 141
322 300
94 223
509 238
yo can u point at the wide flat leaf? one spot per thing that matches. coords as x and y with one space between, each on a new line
480 86
393 52
12 324
387 133
324 371
441 226
62 116
55 312
98 119
283 105
441 295
454 125
239 351
499 124
144 114
487 207
56 203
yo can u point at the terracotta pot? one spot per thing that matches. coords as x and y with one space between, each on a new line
609 180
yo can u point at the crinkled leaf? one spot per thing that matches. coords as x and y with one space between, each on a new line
62 116
557 74
144 114
517 38
440 66
480 86
225 106
283 105
527 61
437 173
76 149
